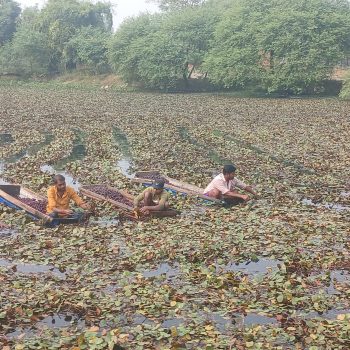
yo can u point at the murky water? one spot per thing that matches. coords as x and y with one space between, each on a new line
70 180
55 321
333 206
31 268
163 269
139 319
104 221
193 211
262 266
172 322
124 166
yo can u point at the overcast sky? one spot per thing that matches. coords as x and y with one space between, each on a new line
122 8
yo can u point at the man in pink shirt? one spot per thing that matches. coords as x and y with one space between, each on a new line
224 187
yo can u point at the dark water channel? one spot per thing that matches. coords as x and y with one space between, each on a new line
287 162
78 151
214 156
30 151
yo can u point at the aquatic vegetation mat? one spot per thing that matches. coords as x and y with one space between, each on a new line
272 274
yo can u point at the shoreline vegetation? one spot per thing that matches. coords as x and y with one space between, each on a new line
113 83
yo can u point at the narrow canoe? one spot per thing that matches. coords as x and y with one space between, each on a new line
127 209
172 185
11 195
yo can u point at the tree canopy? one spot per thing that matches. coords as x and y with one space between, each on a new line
275 45
9 13
280 45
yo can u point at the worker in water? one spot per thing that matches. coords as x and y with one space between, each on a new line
59 196
154 198
225 185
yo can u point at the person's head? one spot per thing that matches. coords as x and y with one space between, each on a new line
229 171
60 182
158 185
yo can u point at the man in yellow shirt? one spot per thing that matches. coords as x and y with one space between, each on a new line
154 198
59 197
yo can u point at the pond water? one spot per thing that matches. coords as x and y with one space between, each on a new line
333 206
124 166
261 266
104 221
31 268
56 321
163 269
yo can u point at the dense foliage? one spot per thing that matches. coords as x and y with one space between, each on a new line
278 46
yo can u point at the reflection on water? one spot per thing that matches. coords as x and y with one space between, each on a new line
124 166
70 180
31 268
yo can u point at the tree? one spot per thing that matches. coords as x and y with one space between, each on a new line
62 19
283 45
171 5
9 12
162 49
88 47
127 43
27 54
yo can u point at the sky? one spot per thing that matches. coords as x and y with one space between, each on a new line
121 8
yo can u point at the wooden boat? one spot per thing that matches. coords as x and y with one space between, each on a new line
10 195
127 209
172 185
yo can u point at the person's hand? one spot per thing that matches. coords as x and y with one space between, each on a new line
86 206
245 197
144 210
66 212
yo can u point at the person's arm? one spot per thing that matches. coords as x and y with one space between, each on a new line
160 206
51 204
77 200
240 184
138 200
232 194
251 190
